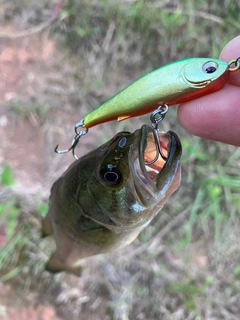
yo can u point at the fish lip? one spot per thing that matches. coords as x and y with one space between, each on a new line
174 153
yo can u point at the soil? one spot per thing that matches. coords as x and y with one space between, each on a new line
28 140
40 103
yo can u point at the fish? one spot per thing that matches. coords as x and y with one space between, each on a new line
107 197
171 84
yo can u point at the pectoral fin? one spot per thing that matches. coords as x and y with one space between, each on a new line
55 265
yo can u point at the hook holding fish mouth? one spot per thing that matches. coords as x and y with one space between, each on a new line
75 141
156 117
236 63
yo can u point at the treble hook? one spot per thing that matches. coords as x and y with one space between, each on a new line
156 117
75 141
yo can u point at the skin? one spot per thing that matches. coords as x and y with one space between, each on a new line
217 115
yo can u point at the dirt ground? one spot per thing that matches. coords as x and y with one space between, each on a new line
40 102
28 139
27 142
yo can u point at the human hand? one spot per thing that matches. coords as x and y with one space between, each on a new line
217 116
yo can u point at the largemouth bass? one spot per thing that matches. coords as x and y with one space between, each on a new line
103 201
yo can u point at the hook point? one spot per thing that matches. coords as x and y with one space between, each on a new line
75 141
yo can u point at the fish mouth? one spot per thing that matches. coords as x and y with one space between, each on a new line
151 172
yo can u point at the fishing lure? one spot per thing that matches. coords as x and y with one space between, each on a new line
174 83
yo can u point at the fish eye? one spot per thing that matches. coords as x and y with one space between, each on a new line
111 175
210 67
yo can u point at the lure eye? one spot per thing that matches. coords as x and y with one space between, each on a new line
210 67
111 175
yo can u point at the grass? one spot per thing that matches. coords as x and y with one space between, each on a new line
140 27
28 109
186 264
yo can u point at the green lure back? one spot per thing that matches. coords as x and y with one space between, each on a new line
171 84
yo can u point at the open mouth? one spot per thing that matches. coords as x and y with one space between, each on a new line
149 151
154 162
150 163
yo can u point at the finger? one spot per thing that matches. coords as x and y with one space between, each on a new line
215 116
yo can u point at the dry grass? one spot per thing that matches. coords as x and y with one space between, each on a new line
186 264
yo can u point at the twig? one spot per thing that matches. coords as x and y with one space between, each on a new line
174 223
40 27
203 15
108 37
